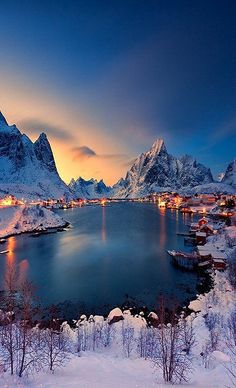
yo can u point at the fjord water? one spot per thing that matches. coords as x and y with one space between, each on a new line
109 254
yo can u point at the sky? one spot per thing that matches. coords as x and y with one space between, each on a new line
104 79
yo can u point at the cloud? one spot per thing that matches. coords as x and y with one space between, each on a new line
82 152
85 152
35 126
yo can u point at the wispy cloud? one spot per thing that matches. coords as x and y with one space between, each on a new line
85 152
35 126
82 152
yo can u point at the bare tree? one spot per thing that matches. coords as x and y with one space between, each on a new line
107 334
170 356
188 333
142 342
8 338
231 345
55 349
205 353
25 336
127 339
231 271
212 321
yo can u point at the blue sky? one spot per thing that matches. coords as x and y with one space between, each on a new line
118 74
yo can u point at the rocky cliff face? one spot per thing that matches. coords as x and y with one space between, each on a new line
28 169
229 176
157 170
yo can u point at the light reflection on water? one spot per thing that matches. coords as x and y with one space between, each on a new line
110 252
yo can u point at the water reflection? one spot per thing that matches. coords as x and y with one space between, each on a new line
13 265
11 244
103 223
163 231
110 251
23 271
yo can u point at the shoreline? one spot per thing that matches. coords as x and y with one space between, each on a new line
41 231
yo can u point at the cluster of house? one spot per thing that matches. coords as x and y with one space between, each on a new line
212 254
10 200
200 204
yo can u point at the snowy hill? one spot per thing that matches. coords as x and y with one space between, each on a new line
229 177
89 189
28 169
157 170
209 188
21 219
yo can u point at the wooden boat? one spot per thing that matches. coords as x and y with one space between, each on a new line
184 260
206 264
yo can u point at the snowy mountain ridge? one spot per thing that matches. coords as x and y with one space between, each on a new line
156 170
28 169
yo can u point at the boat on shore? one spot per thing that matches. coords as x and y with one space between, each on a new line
189 260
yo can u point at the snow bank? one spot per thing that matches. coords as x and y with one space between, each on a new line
115 315
20 219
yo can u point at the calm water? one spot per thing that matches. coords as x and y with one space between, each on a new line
110 253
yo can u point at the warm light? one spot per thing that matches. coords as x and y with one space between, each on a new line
161 203
103 201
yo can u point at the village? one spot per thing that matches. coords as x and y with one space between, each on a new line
222 205
215 212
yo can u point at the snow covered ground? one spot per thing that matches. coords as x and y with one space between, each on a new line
20 219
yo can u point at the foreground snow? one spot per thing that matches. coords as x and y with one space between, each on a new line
21 219
94 370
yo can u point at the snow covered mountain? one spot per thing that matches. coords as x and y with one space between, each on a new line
89 189
28 169
157 170
229 177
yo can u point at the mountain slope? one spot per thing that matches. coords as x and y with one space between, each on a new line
157 170
89 189
229 177
28 169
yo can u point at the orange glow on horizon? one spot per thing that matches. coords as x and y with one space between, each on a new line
20 101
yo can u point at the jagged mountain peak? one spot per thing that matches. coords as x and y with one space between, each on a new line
8 129
91 188
28 169
42 139
158 146
2 119
156 170
230 174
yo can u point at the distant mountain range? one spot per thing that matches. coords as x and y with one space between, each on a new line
28 170
89 189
